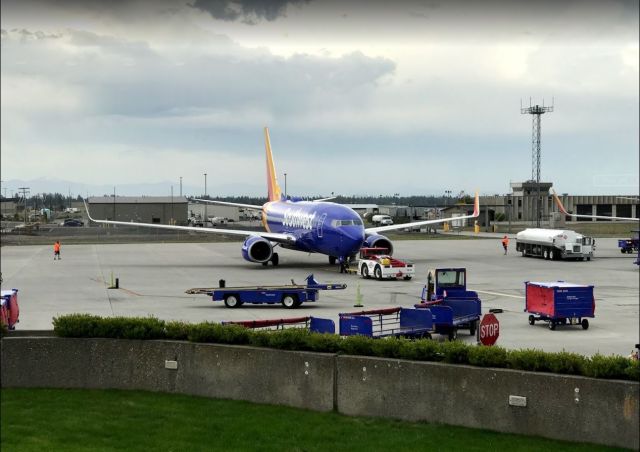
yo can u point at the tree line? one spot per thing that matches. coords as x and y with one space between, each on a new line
58 201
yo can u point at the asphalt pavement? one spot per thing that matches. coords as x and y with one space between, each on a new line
153 278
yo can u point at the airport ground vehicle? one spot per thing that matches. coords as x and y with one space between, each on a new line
378 323
9 309
72 222
554 244
382 220
452 305
631 244
378 263
559 303
313 324
291 296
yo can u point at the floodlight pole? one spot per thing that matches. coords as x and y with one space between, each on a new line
536 111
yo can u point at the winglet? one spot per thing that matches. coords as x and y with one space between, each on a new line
559 203
87 209
275 194
476 206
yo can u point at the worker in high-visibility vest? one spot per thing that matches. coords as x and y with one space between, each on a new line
505 243
56 250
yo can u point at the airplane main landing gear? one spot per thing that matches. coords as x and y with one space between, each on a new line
275 259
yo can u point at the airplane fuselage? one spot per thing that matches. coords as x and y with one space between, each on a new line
319 227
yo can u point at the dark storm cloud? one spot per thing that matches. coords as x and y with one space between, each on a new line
246 10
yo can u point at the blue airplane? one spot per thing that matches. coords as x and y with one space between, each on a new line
311 226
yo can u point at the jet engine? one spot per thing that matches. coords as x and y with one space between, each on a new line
257 249
378 241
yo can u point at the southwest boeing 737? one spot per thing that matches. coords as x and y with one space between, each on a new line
310 226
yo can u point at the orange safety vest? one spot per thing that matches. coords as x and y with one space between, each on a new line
56 247
505 241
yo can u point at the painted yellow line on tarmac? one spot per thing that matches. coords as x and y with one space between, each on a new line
501 294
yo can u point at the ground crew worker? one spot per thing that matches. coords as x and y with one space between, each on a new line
343 265
56 250
505 243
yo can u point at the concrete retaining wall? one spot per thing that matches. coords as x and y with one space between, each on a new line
560 407
304 380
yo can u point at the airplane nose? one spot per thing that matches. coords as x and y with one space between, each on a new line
352 239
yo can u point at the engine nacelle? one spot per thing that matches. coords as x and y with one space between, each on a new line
257 249
378 241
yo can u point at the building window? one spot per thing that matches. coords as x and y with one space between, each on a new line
155 220
519 202
623 210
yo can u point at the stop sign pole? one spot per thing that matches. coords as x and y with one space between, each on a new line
489 330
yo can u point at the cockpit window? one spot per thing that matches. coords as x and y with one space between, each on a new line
356 222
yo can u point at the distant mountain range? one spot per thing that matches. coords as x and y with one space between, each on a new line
163 188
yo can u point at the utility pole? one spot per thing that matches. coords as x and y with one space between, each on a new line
536 111
172 222
206 218
181 186
24 196
114 203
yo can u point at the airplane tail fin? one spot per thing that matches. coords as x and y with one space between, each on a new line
275 194
476 206
558 202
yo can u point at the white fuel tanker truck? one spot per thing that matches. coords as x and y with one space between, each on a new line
554 244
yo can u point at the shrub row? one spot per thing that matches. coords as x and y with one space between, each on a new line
597 366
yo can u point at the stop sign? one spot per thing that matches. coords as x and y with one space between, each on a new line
489 329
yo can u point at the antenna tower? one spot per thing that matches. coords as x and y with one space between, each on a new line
536 111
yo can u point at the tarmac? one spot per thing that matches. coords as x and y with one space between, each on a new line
153 278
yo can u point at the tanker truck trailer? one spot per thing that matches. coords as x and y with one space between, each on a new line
554 244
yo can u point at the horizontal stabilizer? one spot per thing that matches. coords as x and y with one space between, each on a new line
234 204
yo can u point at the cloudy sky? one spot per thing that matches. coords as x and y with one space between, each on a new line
409 97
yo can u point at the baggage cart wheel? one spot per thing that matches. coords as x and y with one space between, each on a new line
377 272
553 255
453 334
532 320
588 258
232 301
552 325
545 254
364 271
407 278
290 301
585 324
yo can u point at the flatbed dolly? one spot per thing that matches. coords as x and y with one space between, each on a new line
291 296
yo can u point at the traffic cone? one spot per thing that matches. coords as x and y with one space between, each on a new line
358 298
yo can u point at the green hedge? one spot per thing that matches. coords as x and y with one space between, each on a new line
597 366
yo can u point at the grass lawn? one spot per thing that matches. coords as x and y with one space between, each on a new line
97 420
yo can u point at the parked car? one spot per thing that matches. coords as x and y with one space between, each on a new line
72 222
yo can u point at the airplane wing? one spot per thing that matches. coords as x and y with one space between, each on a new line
234 204
393 227
274 237
603 217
